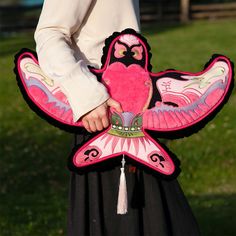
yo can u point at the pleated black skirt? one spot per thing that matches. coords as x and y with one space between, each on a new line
156 207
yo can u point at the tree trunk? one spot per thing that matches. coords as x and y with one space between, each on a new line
184 17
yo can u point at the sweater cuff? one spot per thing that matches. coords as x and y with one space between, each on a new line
83 91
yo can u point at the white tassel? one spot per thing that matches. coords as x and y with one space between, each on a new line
122 196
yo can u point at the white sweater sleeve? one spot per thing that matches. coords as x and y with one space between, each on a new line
57 23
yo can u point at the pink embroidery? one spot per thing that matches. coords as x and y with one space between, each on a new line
120 50
141 149
129 39
138 50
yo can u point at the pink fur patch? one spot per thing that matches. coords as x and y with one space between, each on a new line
128 86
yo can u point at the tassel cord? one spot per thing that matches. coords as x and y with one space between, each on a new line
122 204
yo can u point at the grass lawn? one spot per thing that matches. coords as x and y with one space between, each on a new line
34 177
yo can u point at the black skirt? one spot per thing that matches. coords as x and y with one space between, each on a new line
155 206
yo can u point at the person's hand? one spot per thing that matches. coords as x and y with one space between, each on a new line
98 119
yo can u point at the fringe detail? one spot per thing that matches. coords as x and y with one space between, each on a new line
122 196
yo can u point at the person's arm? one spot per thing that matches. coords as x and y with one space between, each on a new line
59 20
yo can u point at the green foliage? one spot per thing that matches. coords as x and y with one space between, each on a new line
34 178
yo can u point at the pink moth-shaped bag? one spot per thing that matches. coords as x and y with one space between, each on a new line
170 103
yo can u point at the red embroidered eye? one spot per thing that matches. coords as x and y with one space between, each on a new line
137 52
119 50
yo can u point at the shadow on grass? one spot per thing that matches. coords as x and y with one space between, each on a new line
215 213
34 180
